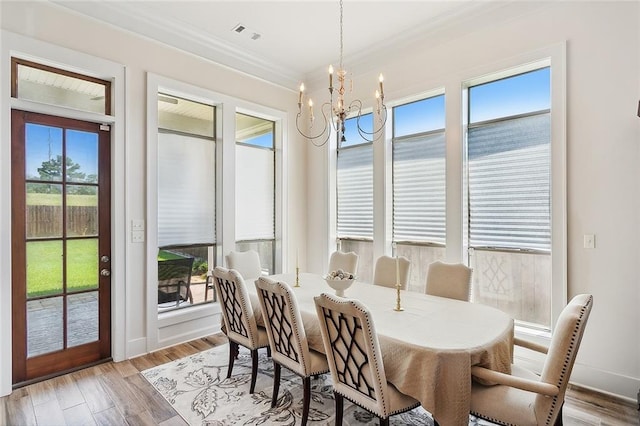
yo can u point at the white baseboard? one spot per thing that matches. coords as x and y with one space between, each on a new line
135 347
613 384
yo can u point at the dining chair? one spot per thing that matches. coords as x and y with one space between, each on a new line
355 360
239 320
348 262
247 263
452 280
287 338
388 270
524 398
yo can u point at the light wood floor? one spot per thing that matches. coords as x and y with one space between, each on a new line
117 394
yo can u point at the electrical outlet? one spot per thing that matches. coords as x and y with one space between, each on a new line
137 236
589 241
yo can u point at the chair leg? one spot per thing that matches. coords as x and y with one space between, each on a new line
339 406
269 351
559 419
276 383
384 422
254 369
233 350
306 399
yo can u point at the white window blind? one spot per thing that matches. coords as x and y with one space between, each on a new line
186 190
509 183
354 181
255 191
419 189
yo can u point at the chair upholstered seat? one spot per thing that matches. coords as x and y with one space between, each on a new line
509 405
238 318
524 398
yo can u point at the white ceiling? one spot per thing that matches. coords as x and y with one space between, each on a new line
298 39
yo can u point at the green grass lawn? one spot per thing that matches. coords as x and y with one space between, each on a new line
44 266
38 199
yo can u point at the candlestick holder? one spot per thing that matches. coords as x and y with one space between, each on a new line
297 277
398 307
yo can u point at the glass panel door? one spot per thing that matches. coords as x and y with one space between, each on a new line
61 244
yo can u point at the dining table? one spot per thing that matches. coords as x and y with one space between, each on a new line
428 347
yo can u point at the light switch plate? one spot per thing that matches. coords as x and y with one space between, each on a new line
589 241
137 225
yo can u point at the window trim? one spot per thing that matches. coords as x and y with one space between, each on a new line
555 57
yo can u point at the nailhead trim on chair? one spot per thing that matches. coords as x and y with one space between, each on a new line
567 359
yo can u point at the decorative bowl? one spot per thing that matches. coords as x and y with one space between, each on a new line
339 281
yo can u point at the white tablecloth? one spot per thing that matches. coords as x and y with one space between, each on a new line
428 349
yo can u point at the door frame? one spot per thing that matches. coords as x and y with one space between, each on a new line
70 358
17 45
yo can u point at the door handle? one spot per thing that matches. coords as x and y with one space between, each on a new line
104 259
105 272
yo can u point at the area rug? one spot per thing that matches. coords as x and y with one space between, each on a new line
197 388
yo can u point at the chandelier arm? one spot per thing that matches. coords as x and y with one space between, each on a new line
324 133
368 136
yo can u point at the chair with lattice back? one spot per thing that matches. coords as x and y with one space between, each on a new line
287 338
239 319
355 360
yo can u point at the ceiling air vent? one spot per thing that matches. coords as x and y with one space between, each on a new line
239 28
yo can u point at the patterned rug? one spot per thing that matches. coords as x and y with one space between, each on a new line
197 388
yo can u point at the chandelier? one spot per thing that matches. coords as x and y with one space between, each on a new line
335 113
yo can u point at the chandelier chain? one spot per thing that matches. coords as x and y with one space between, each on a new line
341 42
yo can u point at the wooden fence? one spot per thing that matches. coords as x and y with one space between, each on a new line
46 221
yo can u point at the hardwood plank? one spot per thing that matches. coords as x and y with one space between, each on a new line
125 368
97 399
79 415
42 392
20 409
49 413
142 363
124 398
174 421
159 408
109 417
67 392
143 418
3 412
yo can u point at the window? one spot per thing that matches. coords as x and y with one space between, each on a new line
419 185
255 188
41 83
354 184
508 192
186 200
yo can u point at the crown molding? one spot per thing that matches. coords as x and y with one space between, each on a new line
127 16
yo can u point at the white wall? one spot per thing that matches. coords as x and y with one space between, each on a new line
603 139
603 142
46 22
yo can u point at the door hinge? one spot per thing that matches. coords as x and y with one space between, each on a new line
105 127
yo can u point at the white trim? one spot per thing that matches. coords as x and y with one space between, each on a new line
554 56
39 51
601 381
178 326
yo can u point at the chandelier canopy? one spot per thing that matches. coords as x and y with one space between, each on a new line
335 113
